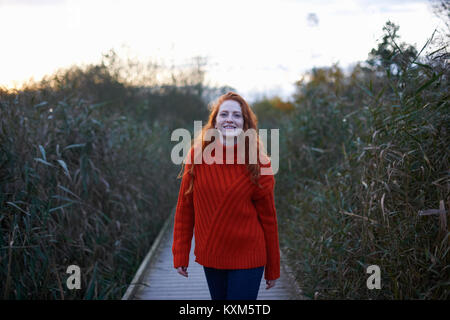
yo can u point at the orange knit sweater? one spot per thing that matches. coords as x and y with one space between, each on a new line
235 222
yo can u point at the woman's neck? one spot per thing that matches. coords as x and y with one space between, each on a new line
229 141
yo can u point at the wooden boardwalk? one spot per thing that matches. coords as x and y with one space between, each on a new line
156 278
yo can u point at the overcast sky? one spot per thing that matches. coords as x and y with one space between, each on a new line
257 47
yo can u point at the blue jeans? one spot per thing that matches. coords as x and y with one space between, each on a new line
233 284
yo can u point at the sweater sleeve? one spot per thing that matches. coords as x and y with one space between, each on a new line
183 223
264 202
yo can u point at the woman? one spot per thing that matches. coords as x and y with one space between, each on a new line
230 206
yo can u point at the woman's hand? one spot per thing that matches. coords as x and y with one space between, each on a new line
182 271
270 283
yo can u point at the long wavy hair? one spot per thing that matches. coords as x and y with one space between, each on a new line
250 122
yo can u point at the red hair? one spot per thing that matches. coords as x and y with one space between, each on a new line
250 122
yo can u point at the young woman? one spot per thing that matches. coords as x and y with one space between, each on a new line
231 206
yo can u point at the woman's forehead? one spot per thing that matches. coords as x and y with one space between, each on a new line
230 105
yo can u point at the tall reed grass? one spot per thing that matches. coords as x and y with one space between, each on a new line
364 160
85 179
76 189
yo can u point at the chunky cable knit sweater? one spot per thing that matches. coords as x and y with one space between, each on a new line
235 222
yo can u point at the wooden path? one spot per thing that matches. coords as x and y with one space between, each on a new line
156 279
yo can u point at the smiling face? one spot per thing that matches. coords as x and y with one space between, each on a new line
229 119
